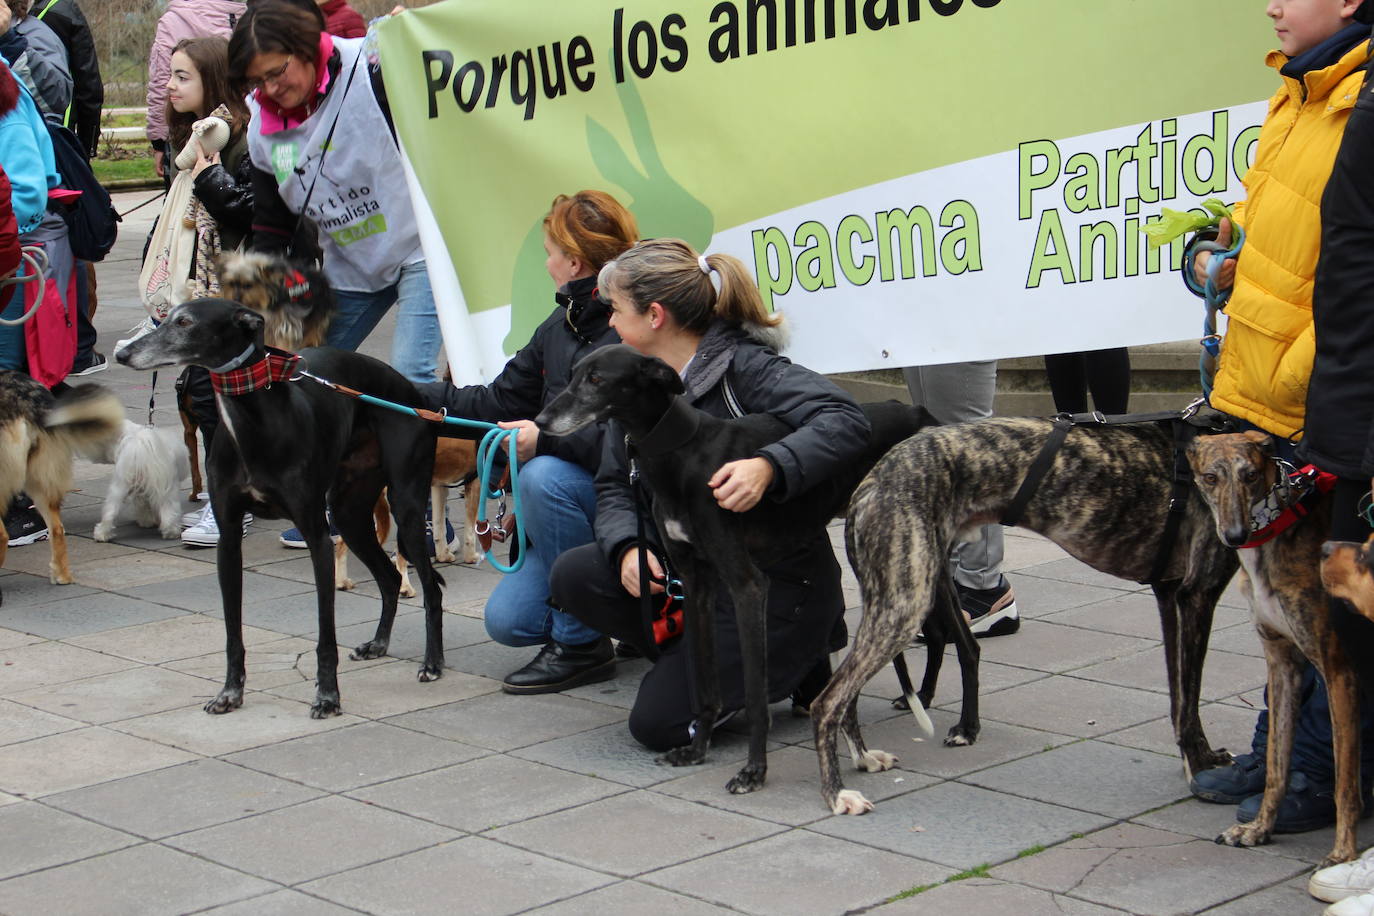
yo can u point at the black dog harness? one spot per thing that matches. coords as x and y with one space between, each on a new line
1186 424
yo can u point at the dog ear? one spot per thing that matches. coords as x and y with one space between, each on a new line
662 374
1260 438
250 320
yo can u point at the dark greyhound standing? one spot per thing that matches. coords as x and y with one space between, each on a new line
286 449
678 448
1105 499
1283 584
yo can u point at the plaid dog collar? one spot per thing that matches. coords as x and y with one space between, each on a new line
275 366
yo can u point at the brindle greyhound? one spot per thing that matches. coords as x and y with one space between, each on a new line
1105 499
1283 584
706 543
287 447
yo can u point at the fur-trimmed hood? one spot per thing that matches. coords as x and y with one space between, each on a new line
717 349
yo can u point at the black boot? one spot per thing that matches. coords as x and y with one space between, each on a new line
559 667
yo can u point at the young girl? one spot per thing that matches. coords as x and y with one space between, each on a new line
581 233
208 210
703 316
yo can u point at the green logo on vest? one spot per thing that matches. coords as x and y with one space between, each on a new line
283 160
373 225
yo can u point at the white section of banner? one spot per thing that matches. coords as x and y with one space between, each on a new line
464 349
995 311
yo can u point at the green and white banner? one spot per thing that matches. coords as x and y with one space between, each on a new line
912 181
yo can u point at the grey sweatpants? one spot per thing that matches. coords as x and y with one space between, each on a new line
954 393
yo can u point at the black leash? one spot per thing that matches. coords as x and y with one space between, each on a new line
669 620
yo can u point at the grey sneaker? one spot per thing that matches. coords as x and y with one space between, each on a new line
205 533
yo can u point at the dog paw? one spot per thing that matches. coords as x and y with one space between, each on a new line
407 590
748 779
344 584
1336 858
851 802
370 649
430 673
168 534
325 706
60 578
686 756
1243 835
470 557
960 737
227 701
103 533
444 555
875 761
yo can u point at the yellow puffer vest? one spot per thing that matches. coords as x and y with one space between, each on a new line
1266 358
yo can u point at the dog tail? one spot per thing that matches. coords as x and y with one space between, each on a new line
87 419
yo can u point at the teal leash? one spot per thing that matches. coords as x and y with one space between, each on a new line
487 450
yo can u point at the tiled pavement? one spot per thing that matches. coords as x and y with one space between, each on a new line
119 795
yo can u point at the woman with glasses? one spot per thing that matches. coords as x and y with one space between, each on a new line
309 92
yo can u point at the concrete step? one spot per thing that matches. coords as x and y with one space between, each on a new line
1163 377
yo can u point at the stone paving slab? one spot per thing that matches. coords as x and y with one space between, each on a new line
454 797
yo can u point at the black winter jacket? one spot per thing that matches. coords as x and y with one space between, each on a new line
733 374
1340 394
539 372
88 94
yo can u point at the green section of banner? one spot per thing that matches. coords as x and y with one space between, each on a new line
696 145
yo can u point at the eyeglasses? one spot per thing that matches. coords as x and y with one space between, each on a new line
271 78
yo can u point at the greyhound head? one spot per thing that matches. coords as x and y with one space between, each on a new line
1348 572
202 332
616 382
1233 472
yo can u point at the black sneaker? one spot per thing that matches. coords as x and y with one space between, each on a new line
1230 785
1307 805
990 611
560 667
98 363
24 525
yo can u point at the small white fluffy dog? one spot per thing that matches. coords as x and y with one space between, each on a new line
149 465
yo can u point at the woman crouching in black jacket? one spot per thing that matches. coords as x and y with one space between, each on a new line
704 317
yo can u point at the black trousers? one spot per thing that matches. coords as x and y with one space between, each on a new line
1106 373
805 621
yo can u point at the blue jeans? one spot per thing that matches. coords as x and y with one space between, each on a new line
415 346
558 502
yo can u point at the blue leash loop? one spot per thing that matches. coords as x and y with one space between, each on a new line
487 450
1214 300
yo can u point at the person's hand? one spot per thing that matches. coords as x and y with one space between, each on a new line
739 485
6 18
1227 275
526 440
203 161
159 160
397 10
629 572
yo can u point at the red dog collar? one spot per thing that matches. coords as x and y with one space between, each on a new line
1271 517
275 366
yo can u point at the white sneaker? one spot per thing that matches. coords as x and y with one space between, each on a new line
143 327
192 518
1362 905
1349 879
205 533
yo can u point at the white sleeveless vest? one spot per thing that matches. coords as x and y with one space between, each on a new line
360 205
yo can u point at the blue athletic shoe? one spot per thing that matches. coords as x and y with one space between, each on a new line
292 538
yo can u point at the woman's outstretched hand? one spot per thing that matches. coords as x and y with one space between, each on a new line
739 485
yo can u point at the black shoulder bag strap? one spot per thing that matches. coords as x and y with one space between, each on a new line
324 149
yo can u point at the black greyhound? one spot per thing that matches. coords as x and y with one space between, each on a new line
285 449
708 544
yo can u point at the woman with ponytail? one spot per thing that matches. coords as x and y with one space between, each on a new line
702 314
